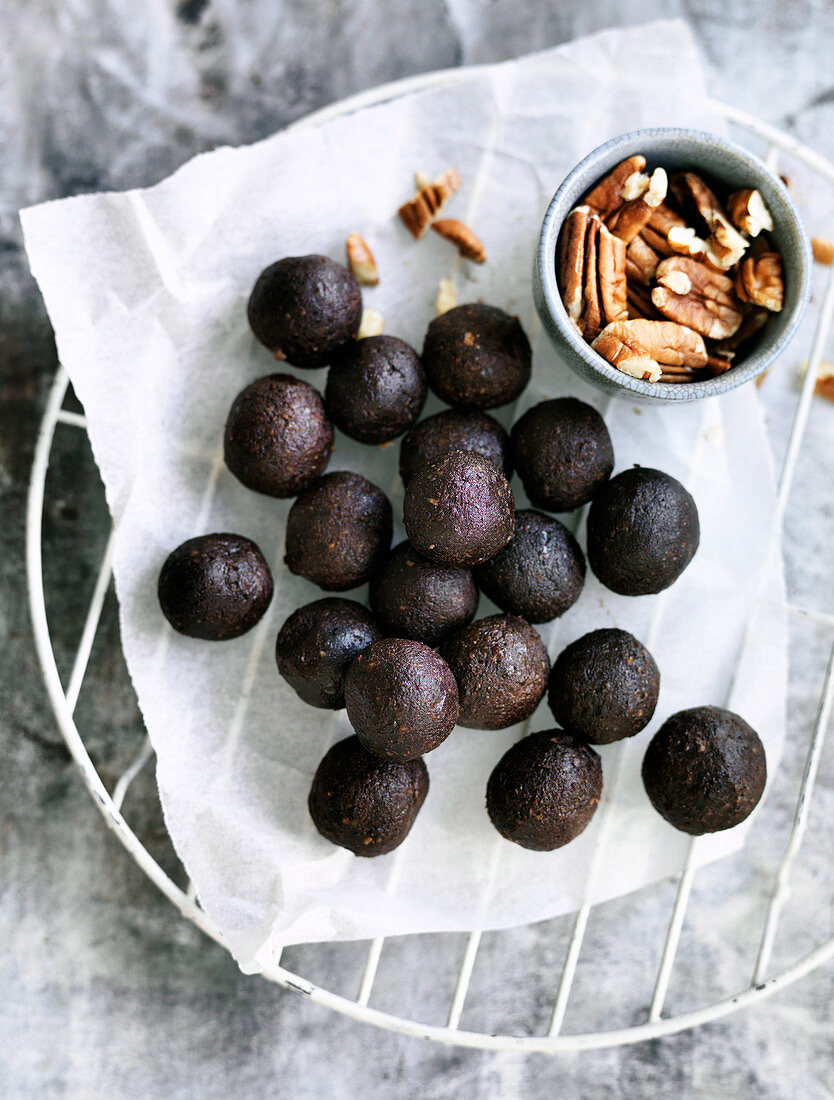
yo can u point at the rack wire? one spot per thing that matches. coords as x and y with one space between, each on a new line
763 983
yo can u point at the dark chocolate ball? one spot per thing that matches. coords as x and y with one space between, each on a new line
318 643
539 574
563 453
304 308
604 686
365 804
501 667
401 698
705 770
413 597
338 531
476 357
643 531
459 509
451 430
544 790
215 586
376 388
278 437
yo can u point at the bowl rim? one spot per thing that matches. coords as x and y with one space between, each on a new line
753 365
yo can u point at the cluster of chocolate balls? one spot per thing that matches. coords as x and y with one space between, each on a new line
416 664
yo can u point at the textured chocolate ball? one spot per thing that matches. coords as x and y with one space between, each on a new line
215 587
451 430
476 357
365 804
413 597
705 770
539 574
643 531
544 790
304 308
459 509
401 699
604 686
318 643
501 667
278 436
376 388
563 453
338 531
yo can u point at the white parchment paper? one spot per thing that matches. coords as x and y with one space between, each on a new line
147 293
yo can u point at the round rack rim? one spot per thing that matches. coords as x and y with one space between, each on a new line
63 700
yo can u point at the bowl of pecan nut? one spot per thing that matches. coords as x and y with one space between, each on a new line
672 265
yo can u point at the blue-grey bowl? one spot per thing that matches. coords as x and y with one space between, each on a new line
675 149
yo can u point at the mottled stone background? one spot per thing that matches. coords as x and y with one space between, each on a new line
105 991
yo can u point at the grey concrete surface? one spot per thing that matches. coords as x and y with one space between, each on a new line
104 990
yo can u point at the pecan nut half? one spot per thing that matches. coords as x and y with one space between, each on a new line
758 279
611 264
361 260
630 219
570 264
641 347
748 212
643 259
607 195
695 295
725 245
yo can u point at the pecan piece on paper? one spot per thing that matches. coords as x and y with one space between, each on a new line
725 245
694 295
607 195
371 323
641 347
462 237
758 279
748 212
570 264
823 250
628 221
418 213
361 261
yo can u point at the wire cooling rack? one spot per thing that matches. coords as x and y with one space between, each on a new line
654 1023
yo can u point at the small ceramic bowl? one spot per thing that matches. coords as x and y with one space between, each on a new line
676 149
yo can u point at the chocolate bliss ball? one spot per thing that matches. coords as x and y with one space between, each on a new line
365 804
459 509
563 453
338 531
318 643
501 667
705 770
278 437
376 388
304 308
413 597
604 686
544 790
643 531
451 430
215 587
401 699
539 574
476 357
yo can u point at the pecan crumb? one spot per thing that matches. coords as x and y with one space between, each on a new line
371 323
447 296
